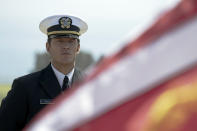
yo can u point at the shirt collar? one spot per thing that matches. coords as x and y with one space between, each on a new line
60 76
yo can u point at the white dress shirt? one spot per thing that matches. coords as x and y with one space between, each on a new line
60 76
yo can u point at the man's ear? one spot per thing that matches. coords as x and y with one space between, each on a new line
78 48
47 46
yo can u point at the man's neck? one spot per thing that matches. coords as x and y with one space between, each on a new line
64 68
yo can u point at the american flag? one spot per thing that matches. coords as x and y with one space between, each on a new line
148 85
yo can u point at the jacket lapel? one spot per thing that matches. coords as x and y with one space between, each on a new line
49 82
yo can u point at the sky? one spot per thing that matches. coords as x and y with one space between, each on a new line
109 22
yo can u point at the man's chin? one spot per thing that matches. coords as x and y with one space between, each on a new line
67 62
64 62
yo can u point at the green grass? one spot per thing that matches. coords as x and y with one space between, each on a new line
3 91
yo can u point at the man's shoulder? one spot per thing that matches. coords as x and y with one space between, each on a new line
29 77
32 76
78 75
35 76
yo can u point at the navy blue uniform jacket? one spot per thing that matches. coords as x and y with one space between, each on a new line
26 98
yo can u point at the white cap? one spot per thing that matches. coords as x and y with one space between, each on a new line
63 25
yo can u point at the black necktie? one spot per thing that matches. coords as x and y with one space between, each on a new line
65 83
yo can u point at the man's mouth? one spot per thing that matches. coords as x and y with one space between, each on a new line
65 53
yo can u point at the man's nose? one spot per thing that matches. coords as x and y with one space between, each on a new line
66 45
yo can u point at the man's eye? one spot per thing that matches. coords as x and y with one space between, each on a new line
71 41
59 41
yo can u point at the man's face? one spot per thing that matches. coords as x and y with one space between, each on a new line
63 50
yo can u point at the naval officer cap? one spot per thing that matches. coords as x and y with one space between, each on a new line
63 26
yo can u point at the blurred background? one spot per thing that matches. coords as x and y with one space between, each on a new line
111 23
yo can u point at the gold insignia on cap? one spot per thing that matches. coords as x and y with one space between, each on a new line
65 22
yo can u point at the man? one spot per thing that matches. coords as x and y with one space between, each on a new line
30 93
